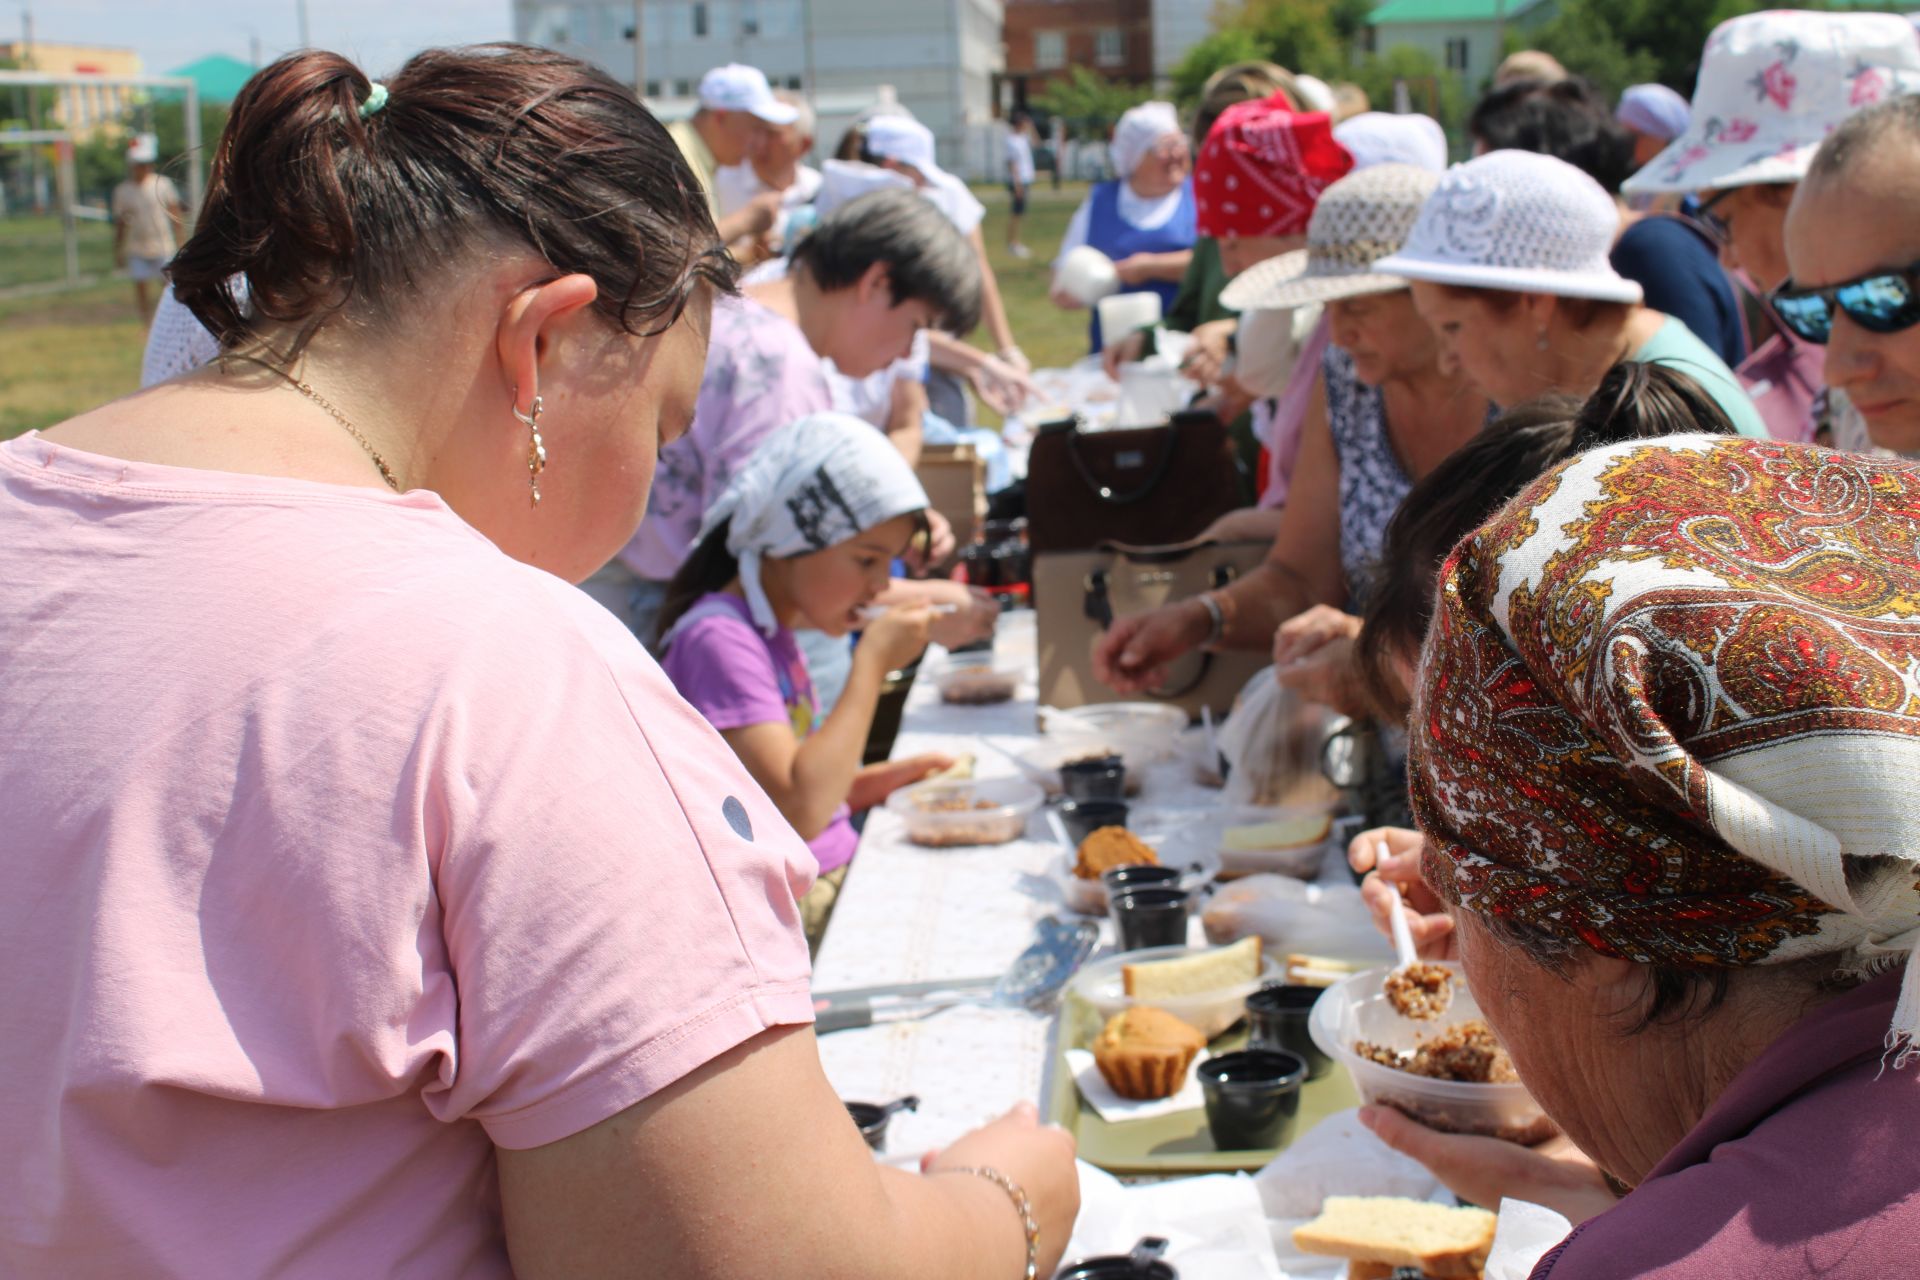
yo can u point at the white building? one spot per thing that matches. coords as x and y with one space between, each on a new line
940 56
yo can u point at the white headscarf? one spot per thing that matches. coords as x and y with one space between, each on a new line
1379 137
1138 130
827 478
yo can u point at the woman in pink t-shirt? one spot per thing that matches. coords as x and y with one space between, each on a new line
374 906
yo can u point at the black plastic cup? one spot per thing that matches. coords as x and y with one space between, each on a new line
1253 1097
1125 879
1116 1266
1102 778
1152 917
1277 1019
1082 820
871 1118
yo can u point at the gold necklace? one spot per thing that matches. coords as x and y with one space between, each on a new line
386 472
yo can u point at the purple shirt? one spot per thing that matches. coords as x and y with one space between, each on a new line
761 375
1805 1167
735 676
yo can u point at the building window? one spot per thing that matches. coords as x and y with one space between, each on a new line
793 83
1457 54
1110 46
683 88
749 18
1049 50
699 19
653 88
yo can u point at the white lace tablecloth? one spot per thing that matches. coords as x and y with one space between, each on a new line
912 914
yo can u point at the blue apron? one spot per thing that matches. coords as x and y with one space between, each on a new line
1114 236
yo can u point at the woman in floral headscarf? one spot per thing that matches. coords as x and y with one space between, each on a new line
1663 755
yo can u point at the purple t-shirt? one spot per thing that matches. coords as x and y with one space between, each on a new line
735 676
1803 1167
761 375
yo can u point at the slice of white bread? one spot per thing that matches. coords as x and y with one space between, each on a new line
1195 974
1287 833
1447 1244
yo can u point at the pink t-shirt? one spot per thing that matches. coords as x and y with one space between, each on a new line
339 847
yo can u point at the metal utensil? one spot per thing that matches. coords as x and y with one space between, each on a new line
1057 951
1148 1251
1035 978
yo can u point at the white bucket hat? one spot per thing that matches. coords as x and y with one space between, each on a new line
740 88
1517 220
1359 220
1772 86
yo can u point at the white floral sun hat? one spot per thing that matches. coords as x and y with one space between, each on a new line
1517 220
1772 86
1359 220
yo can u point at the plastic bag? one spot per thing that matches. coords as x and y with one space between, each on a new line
1289 916
1272 743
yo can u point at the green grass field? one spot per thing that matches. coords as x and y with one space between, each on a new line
65 351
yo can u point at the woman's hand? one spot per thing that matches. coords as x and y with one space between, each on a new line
896 637
1398 875
1037 1157
1003 387
940 544
1313 655
1139 268
1207 352
1132 654
1485 1171
1121 351
1064 300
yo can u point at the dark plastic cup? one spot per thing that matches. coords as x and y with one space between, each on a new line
1082 820
1152 917
1117 1266
1123 879
1253 1097
1103 778
1277 1019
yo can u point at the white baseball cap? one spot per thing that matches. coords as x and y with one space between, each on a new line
143 148
1772 87
739 88
904 141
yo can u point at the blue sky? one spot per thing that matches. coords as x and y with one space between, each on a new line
378 34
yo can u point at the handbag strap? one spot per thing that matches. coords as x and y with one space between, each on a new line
1106 492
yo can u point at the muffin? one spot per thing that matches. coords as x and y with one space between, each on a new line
1111 847
1144 1053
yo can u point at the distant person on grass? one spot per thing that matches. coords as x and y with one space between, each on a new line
1020 135
147 214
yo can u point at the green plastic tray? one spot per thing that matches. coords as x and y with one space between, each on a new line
1172 1144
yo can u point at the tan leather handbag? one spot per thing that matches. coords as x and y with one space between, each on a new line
1077 594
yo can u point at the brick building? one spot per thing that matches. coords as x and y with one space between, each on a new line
1045 37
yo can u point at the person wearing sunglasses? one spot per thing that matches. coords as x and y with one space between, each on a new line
1757 118
1854 249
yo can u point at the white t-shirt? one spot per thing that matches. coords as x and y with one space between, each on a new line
735 184
1020 158
956 201
1144 212
146 207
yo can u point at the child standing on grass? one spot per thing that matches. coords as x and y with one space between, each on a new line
803 536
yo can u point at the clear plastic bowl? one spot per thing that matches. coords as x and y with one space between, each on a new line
1103 988
1204 837
1357 1009
980 811
977 684
1146 732
1158 828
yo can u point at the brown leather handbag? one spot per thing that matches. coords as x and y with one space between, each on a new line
1143 486
1078 594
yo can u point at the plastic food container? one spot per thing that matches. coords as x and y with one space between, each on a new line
1357 1009
1205 837
982 811
1040 764
977 684
1147 732
1101 986
1089 897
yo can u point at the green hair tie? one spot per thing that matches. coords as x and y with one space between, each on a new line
376 99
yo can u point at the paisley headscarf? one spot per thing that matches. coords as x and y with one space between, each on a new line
1670 709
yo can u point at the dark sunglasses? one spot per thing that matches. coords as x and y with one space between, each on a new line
1716 226
1884 302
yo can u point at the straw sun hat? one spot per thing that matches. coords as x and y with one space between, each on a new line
1519 221
1360 219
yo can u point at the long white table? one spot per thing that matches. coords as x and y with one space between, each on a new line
913 914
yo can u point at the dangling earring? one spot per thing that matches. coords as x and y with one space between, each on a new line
536 447
1540 343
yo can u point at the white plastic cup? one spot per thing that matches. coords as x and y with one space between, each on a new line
1088 275
1122 313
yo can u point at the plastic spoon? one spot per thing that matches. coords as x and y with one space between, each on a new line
1397 918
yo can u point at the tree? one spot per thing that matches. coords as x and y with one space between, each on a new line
1432 91
1088 103
1587 44
1218 49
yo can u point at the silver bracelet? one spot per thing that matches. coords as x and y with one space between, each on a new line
1020 1203
1216 619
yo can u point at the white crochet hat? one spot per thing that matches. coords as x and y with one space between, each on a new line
1360 219
1772 86
1521 221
